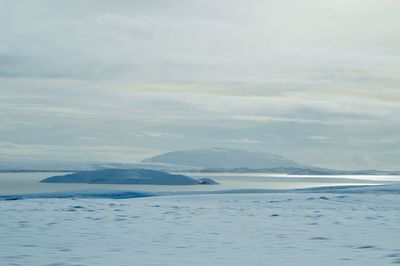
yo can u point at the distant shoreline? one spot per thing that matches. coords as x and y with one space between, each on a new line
234 171
38 171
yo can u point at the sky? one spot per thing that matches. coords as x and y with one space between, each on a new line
119 81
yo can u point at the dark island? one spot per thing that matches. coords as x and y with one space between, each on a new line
127 176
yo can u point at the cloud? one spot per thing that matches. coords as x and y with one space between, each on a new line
77 153
160 135
306 79
182 42
244 141
319 138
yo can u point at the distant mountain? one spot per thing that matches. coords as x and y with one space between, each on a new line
220 158
31 164
127 176
296 171
19 165
214 160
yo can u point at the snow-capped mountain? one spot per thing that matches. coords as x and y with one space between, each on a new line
223 158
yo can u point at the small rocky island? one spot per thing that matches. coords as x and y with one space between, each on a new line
128 176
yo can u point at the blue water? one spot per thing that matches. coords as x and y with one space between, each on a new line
28 183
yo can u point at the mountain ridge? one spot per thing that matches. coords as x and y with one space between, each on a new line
223 158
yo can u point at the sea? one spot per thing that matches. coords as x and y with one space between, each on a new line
29 183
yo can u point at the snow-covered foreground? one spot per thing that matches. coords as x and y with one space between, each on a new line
222 229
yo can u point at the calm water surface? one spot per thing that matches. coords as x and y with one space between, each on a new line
27 183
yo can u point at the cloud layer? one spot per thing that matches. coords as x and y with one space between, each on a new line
313 80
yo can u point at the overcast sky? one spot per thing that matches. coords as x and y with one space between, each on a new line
316 81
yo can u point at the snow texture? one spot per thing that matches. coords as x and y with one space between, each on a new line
225 229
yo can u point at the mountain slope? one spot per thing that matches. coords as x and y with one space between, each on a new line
223 158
